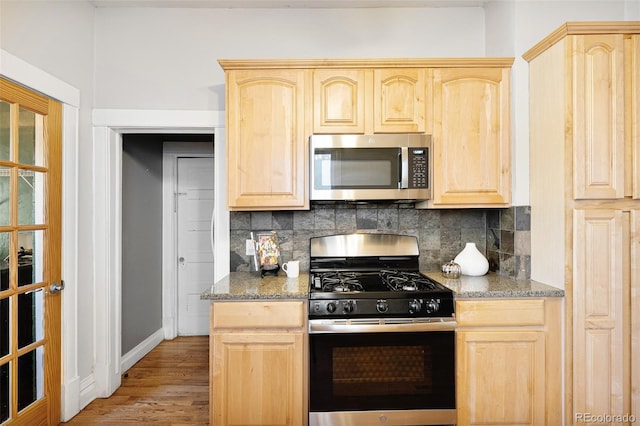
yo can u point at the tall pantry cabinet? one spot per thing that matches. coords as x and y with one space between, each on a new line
585 208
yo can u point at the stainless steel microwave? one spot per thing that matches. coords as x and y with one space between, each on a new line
370 167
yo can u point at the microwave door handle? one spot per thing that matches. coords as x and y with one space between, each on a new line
404 168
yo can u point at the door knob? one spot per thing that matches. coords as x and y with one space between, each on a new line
56 287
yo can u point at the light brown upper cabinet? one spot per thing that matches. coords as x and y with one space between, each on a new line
273 106
399 100
471 137
340 97
267 136
632 111
366 101
599 123
604 73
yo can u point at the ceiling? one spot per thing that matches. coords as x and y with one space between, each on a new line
286 4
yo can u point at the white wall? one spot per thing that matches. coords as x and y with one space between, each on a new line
170 61
58 38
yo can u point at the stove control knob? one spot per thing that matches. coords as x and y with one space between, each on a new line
382 306
414 306
349 306
331 307
432 306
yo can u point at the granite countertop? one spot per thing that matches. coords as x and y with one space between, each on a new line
249 285
494 286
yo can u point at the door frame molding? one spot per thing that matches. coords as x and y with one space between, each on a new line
30 76
108 127
171 152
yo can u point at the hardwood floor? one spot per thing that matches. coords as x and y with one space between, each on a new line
169 386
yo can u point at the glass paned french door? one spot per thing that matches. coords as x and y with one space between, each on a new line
30 258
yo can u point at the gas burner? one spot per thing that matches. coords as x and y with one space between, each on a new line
342 287
340 282
406 281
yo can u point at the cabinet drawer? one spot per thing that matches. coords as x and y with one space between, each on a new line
257 315
500 312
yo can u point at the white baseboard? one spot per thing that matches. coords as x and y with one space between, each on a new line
136 354
70 395
195 325
87 387
87 391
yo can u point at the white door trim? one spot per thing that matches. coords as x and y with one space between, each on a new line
171 152
30 76
25 74
109 125
107 258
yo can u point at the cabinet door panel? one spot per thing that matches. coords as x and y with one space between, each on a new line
635 312
339 101
501 377
399 104
266 155
258 315
633 110
257 379
478 313
472 160
599 116
598 352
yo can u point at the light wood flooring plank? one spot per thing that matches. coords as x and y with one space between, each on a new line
169 386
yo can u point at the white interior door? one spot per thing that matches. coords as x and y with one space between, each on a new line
195 253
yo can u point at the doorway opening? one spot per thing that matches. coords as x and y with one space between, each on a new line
149 294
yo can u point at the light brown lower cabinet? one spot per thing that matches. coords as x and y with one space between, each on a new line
258 353
508 366
508 362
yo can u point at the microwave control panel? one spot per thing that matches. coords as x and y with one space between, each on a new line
418 168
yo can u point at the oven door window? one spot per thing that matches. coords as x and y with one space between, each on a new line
373 371
357 168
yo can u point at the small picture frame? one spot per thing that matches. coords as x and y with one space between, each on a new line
268 252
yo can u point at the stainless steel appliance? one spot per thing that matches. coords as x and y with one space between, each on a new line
381 335
370 167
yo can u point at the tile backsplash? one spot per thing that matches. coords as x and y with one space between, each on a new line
503 235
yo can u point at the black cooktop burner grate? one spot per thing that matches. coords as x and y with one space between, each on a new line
341 282
381 281
406 281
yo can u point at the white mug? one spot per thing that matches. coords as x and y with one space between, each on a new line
292 268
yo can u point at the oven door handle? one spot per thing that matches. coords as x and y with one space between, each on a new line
381 325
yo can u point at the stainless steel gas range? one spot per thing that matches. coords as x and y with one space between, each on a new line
381 334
